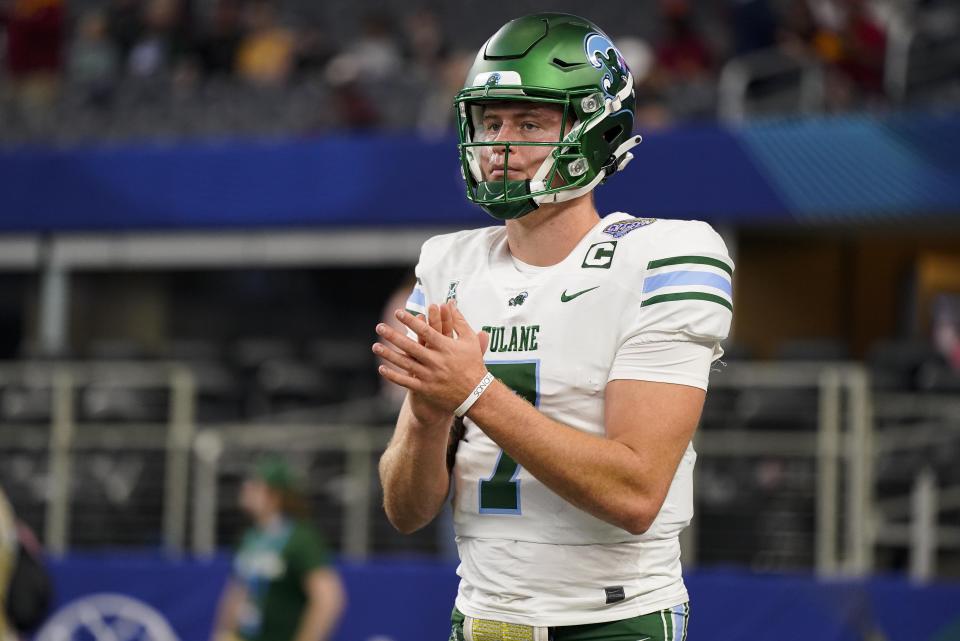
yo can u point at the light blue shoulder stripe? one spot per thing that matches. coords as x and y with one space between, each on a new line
417 297
674 279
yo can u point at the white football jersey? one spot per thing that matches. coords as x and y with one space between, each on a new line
527 555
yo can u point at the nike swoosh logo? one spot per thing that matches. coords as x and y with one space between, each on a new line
566 299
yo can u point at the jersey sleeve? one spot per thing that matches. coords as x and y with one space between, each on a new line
417 302
238 549
683 293
429 288
307 551
677 362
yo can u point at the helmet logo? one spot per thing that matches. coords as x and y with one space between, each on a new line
603 55
496 79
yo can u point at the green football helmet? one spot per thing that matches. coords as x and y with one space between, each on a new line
557 59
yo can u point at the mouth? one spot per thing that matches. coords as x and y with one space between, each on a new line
496 173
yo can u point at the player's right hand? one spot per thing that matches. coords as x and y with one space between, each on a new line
427 413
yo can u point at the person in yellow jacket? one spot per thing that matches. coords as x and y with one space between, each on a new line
8 554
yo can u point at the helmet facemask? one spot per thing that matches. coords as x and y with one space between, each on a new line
504 198
572 169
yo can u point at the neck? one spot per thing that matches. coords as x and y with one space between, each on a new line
269 519
547 235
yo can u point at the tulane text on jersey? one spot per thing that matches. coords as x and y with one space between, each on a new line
521 338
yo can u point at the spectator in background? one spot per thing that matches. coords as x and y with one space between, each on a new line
683 54
217 46
94 61
283 587
753 26
684 63
946 330
798 29
163 41
8 556
651 109
373 56
265 57
424 42
863 48
313 51
26 589
35 36
124 25
847 39
436 118
354 108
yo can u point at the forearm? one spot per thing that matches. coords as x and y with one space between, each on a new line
600 476
318 621
226 617
413 473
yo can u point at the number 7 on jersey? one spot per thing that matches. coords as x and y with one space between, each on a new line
500 493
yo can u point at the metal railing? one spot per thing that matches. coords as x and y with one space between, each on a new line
919 425
830 446
802 84
202 464
173 438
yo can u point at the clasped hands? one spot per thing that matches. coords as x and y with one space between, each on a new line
441 368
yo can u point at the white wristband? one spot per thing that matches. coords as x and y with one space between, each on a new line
474 395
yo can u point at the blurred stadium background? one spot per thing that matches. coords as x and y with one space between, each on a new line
206 205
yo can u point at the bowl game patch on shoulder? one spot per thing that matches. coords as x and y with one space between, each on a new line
624 227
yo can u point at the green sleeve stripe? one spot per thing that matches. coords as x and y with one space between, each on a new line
666 298
685 260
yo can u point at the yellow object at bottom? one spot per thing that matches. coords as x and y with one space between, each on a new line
489 630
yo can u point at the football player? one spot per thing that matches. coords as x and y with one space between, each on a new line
570 352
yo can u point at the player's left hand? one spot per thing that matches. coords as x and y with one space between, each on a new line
443 368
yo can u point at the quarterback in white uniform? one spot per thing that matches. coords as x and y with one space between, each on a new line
570 352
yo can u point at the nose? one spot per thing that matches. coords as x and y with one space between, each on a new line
498 152
502 136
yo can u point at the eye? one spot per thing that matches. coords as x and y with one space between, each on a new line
529 126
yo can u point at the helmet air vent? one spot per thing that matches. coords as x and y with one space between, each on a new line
613 133
563 64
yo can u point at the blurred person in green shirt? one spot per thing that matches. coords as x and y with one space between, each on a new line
283 587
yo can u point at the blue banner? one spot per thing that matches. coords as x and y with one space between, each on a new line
844 168
168 600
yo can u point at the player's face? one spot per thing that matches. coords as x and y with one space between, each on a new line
517 122
257 499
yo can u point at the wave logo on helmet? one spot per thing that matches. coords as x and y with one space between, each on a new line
602 54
